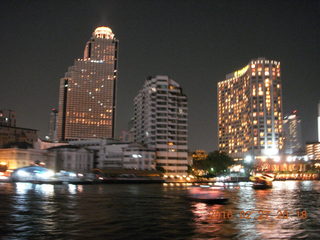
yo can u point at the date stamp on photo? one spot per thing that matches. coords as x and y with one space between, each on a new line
258 214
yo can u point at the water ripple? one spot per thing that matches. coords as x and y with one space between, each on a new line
154 212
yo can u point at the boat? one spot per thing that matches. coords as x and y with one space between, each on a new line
258 185
207 194
262 181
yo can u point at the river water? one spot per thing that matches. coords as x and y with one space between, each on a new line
156 211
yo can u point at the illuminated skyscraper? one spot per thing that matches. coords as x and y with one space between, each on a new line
292 133
161 122
87 100
250 111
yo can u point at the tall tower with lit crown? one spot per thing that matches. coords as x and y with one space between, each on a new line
250 111
87 98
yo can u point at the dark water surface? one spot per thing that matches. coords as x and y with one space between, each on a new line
155 211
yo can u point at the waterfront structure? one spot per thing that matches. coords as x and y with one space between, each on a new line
299 165
33 173
7 118
313 150
14 158
250 111
53 126
161 121
112 154
292 134
127 156
87 98
73 158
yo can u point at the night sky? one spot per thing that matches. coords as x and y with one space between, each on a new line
194 42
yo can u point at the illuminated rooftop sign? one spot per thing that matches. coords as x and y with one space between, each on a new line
240 72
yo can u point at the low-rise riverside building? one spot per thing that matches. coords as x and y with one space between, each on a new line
111 153
14 158
73 158
128 156
10 135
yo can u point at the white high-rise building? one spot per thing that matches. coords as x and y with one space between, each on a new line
161 122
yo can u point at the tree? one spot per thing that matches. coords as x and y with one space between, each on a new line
216 162
160 169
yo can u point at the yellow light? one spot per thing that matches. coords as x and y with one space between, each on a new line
103 32
241 71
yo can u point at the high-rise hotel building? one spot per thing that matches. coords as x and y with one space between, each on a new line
87 100
161 122
250 111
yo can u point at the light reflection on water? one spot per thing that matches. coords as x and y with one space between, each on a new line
155 212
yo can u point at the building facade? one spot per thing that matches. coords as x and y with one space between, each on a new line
313 150
250 111
112 154
15 158
127 156
9 135
292 134
7 118
87 98
161 122
73 158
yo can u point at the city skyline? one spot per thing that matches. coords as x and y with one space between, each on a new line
172 49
